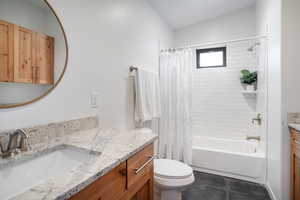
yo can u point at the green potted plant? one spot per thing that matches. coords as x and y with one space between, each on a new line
249 79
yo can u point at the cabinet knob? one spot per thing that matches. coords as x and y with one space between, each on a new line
123 172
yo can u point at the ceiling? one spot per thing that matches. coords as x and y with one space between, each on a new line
182 13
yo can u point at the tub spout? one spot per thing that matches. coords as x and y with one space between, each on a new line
258 138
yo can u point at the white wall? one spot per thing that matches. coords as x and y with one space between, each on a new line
220 109
105 37
290 50
235 25
38 19
291 71
269 23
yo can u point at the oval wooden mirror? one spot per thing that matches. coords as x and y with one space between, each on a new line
33 51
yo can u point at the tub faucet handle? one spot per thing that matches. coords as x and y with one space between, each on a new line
258 119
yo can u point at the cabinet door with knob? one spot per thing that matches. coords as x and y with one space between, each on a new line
6 51
44 54
112 186
145 192
24 55
295 165
297 176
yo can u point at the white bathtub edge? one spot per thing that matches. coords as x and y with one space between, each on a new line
259 154
270 191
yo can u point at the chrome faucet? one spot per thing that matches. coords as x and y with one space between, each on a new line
258 138
258 119
23 143
15 145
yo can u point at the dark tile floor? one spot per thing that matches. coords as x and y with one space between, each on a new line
213 187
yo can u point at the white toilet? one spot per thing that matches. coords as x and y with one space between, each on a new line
171 178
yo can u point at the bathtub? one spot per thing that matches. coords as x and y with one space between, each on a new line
233 158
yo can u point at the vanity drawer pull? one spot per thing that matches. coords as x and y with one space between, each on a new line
138 170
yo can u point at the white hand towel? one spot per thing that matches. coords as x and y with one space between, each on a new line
147 96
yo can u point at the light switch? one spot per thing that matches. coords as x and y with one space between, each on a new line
94 99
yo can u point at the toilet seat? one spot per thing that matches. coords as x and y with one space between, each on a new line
171 169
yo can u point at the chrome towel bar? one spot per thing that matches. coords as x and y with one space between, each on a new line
151 158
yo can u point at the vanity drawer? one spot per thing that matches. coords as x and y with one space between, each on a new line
140 166
111 186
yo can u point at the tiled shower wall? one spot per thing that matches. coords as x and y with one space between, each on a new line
220 109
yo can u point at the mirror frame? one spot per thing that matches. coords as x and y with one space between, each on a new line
62 74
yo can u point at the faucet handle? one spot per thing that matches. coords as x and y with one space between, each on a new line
13 142
23 132
258 119
24 144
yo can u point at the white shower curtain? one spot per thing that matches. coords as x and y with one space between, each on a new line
175 136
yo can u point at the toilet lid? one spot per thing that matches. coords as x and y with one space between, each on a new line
171 169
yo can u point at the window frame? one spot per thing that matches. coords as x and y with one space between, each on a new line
208 50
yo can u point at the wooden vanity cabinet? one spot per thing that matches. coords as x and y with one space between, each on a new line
111 186
25 56
140 183
131 180
295 164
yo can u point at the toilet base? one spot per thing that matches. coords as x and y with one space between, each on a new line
171 195
168 194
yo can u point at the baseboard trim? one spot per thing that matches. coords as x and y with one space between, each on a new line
244 178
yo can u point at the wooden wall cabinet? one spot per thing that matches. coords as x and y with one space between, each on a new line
295 164
6 52
131 180
25 56
44 59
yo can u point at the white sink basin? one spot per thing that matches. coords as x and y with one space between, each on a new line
20 176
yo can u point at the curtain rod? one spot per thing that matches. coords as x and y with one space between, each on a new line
214 43
132 68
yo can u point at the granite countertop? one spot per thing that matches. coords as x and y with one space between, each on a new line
115 147
295 126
